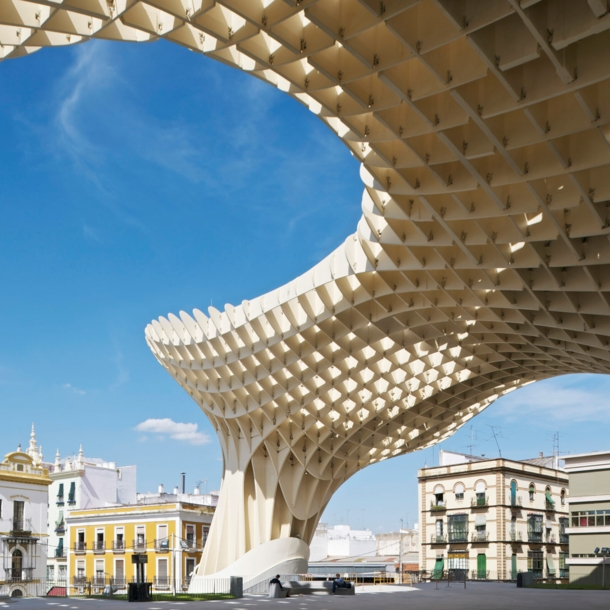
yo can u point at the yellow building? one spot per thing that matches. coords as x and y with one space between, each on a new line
172 534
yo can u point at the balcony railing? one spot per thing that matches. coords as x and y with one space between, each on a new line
71 500
476 502
480 575
516 536
60 500
480 536
22 575
550 540
161 582
564 538
458 536
118 582
550 505
162 545
437 506
441 539
515 501
80 547
99 546
139 545
60 552
118 546
79 581
21 527
534 536
60 529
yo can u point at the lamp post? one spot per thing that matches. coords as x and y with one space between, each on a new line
400 552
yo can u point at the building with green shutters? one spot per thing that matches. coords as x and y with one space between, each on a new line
81 483
489 519
589 526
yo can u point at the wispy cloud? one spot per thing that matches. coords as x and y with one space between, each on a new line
123 372
576 399
73 389
186 432
91 234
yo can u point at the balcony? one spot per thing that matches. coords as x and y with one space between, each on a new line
60 500
550 540
515 502
479 502
60 528
21 527
71 500
60 553
80 548
482 536
442 539
139 545
162 545
564 538
459 536
23 575
118 546
534 537
79 581
99 547
550 505
516 537
99 581
479 575
437 506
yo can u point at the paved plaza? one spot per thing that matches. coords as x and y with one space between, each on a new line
476 596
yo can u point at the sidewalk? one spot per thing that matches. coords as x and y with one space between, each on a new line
477 596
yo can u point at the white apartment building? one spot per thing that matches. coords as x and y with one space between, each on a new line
81 483
492 518
341 541
24 486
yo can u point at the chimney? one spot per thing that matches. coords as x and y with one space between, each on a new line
161 489
183 482
196 492
176 490
541 454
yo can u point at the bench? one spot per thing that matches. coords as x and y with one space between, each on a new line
275 591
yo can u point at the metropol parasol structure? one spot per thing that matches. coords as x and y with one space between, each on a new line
480 263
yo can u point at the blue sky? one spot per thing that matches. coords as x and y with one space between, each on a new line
137 180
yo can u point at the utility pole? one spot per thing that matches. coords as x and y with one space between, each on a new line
400 552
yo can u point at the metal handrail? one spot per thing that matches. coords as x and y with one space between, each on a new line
479 501
480 536
80 547
139 545
434 505
99 546
442 539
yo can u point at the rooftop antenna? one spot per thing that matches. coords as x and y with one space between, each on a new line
495 436
473 438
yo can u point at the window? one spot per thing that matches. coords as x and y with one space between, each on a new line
513 528
534 528
60 495
459 491
119 539
439 530
162 579
99 540
162 539
563 568
590 518
80 545
190 568
59 551
0 509
480 526
140 541
100 576
80 572
563 496
119 572
63 571
60 526
458 528
548 498
72 494
190 536
563 523
205 531
17 564
51 573
457 561
535 563
532 492
18 510
439 497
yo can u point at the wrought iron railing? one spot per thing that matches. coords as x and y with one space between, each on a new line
162 545
118 546
516 536
475 502
80 546
439 539
139 544
482 536
99 546
437 506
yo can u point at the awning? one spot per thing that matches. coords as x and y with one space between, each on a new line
459 488
549 498
438 489
550 564
480 520
480 487
438 567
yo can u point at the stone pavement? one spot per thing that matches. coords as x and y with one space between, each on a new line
477 596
